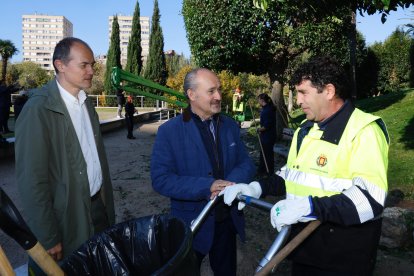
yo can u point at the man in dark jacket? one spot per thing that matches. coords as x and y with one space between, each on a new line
61 167
194 157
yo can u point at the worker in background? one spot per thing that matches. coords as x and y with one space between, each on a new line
267 134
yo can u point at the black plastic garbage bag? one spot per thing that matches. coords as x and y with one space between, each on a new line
152 245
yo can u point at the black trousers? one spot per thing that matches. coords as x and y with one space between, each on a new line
269 156
130 125
223 252
306 270
4 117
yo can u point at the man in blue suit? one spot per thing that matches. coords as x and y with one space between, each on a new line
195 156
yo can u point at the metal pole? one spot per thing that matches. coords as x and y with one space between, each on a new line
196 223
280 238
285 251
260 142
255 202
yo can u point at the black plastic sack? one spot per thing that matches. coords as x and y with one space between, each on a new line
152 245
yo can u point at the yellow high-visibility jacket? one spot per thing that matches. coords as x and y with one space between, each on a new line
342 163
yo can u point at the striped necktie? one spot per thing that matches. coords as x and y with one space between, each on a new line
210 125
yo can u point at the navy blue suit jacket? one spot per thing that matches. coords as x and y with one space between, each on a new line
181 170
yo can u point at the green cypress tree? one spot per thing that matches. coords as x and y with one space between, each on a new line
114 56
155 68
134 59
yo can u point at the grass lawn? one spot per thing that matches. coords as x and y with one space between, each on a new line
397 111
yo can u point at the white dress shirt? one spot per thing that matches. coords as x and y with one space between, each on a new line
83 127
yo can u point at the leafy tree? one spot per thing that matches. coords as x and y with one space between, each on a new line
367 74
361 6
331 7
98 79
114 56
134 58
176 82
28 75
394 57
229 82
155 69
412 64
234 36
175 62
7 50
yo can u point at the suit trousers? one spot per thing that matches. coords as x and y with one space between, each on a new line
223 252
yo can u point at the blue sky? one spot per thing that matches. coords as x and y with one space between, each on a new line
90 21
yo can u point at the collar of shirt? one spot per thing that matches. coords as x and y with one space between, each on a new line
69 99
83 128
214 118
334 126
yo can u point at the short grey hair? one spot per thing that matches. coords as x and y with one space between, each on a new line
190 81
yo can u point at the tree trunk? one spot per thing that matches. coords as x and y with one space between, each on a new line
290 101
281 110
352 55
4 70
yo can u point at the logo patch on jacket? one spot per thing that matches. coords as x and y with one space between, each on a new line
322 160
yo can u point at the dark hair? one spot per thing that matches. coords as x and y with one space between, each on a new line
190 79
321 71
265 98
62 50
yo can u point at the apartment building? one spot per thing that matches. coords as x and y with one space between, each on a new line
125 27
40 35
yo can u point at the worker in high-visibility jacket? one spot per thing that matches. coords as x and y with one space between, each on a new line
336 172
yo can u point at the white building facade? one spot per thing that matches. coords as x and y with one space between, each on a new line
40 34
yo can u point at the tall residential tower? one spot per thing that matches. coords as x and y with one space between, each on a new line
41 33
125 28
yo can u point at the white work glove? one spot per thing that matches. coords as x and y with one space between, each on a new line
290 211
231 192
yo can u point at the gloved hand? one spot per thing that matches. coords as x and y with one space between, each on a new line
230 192
290 211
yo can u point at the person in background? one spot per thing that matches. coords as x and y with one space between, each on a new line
267 132
336 172
5 102
194 157
62 171
120 98
19 102
130 110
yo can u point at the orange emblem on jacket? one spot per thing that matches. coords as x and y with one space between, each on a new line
322 160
